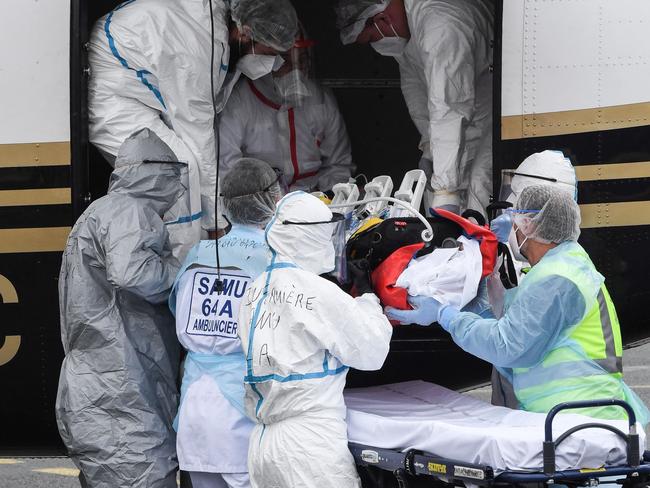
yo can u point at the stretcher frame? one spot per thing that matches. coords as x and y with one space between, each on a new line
412 465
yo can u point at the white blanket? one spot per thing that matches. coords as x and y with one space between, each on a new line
450 275
428 417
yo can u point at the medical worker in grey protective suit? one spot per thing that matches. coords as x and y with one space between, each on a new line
118 387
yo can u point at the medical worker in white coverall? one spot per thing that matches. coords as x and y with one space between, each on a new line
444 52
150 66
300 333
289 120
212 428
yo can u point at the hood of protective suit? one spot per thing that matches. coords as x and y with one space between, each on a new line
309 247
161 181
545 164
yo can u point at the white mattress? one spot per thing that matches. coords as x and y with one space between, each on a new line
428 417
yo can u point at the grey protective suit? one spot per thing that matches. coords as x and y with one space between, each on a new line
118 391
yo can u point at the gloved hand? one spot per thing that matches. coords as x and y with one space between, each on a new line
426 311
480 304
501 226
359 270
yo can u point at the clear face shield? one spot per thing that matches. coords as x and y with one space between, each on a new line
178 174
294 80
335 228
505 192
513 182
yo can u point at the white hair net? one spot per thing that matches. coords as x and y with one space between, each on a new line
250 192
273 23
351 16
547 214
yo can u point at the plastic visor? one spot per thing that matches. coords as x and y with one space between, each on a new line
182 212
507 194
293 81
337 226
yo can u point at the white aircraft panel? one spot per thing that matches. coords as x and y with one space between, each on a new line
512 57
574 54
34 67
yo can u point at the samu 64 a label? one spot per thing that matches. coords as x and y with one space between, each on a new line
214 312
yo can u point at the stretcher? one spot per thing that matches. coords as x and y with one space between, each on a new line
465 442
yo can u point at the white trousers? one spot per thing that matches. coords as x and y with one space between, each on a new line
219 480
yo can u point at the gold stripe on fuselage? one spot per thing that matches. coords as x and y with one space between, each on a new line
41 239
44 196
575 121
617 214
35 154
613 171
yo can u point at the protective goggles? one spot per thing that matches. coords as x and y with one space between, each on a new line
522 217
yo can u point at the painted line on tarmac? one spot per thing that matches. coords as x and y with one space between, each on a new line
10 461
59 471
635 368
640 387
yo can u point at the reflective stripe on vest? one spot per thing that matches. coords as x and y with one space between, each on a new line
586 363
612 363
564 362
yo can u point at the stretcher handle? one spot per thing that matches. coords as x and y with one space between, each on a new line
632 438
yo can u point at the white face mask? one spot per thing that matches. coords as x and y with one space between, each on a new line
515 246
389 46
255 66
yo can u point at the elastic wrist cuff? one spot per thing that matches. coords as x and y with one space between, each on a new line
446 315
441 198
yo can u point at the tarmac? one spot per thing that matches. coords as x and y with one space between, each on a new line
60 472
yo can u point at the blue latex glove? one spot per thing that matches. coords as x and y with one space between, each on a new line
426 311
501 227
481 303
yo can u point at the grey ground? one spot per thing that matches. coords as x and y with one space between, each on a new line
60 472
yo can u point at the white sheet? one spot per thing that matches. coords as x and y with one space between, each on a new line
450 275
428 417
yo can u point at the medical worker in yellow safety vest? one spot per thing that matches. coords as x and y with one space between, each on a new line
559 337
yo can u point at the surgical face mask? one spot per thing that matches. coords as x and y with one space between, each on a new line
254 66
293 88
515 246
389 46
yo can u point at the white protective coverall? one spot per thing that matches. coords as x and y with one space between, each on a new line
212 428
309 143
150 62
446 80
300 334
118 386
